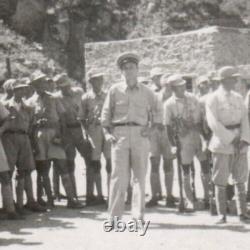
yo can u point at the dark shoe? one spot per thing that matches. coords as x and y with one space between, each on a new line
100 201
222 220
91 201
170 202
152 203
50 204
206 204
35 207
22 211
14 216
41 202
244 218
75 205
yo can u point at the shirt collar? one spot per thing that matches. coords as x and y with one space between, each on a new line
126 87
178 98
223 92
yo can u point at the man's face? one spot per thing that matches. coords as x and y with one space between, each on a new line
167 90
179 91
229 83
19 93
156 80
66 90
130 73
41 86
204 88
97 84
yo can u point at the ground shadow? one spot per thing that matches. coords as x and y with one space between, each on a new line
169 226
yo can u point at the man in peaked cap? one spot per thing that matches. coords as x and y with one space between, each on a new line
125 118
90 115
126 57
183 112
229 142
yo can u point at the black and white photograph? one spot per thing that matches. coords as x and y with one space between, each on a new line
125 124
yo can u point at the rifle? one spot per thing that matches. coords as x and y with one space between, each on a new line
8 65
181 206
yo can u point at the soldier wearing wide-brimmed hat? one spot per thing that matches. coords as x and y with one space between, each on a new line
228 120
16 141
90 115
73 136
160 146
48 130
183 112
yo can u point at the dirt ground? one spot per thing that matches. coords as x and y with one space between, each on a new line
63 228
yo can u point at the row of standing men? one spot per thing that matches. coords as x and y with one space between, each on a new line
46 120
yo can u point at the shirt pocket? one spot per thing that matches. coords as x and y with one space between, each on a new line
121 106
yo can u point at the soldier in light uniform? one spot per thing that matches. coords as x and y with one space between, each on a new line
73 139
246 80
160 147
5 175
19 153
48 130
228 120
182 111
90 114
125 118
155 156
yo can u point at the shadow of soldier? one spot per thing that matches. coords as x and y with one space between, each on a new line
17 241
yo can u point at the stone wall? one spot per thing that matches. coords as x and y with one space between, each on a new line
195 52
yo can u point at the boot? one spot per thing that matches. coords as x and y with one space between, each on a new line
8 198
90 181
188 193
241 199
70 192
205 178
155 178
221 200
19 192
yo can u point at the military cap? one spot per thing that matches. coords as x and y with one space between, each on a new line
94 73
164 79
156 71
62 80
227 72
127 57
202 79
176 80
8 85
37 76
22 83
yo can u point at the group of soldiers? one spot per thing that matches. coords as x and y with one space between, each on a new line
45 121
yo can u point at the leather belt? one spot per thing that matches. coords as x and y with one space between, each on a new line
73 125
233 126
129 124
